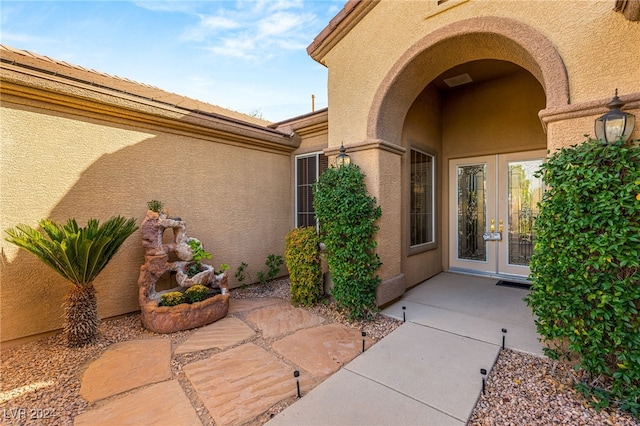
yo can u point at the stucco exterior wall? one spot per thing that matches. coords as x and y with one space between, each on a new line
422 131
492 117
57 164
583 33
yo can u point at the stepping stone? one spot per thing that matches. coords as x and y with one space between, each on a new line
242 305
160 404
125 366
221 334
241 383
282 319
322 350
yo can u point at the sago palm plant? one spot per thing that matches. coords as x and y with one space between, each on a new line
78 254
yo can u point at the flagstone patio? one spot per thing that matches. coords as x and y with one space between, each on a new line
247 366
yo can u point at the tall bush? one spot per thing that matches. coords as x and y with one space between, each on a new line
79 255
585 270
347 216
303 262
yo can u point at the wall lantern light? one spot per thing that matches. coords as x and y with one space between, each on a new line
615 124
342 159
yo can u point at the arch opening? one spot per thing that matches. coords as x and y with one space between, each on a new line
475 39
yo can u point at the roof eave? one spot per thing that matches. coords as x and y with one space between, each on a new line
26 86
352 13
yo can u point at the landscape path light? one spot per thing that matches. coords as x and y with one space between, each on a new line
615 124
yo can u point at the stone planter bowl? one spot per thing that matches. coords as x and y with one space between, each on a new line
201 278
168 319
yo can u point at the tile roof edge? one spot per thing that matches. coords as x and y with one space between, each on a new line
214 110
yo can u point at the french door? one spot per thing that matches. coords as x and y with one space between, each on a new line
493 202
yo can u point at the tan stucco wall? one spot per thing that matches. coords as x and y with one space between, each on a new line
422 130
493 117
60 165
582 32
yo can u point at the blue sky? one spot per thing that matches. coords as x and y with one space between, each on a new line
245 55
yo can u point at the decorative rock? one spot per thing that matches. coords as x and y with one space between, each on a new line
167 319
125 366
201 278
161 404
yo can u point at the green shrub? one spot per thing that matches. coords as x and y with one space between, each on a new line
273 264
303 262
196 293
242 274
585 270
197 251
172 298
155 206
347 216
194 269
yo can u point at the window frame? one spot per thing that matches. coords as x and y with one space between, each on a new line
433 244
316 155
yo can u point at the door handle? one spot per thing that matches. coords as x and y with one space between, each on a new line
501 227
493 225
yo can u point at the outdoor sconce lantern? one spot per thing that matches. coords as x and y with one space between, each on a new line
342 159
615 124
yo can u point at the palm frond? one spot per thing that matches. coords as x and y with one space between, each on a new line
78 254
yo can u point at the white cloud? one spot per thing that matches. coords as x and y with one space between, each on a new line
218 23
281 23
167 5
208 27
10 37
252 29
240 47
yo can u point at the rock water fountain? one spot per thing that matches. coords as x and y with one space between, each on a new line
167 319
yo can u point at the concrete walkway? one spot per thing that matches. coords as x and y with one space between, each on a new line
426 372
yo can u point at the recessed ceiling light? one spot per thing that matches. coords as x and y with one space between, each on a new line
458 80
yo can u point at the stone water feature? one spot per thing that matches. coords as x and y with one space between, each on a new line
158 255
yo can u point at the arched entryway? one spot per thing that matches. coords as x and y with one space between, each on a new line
465 99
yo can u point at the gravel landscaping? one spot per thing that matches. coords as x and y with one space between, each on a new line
40 380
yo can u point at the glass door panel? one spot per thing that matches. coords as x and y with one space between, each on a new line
520 192
493 203
472 211
471 203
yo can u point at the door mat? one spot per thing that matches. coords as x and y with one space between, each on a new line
524 286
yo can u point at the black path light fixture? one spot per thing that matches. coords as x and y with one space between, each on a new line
484 382
296 374
615 124
342 159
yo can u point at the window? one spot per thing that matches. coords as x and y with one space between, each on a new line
422 208
308 169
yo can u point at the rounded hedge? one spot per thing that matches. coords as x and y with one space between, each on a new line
303 262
